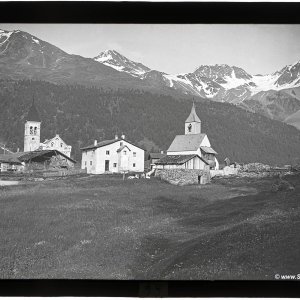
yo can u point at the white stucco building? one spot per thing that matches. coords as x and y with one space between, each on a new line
56 143
112 156
185 147
32 134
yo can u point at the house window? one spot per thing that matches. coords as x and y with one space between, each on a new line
115 165
121 143
134 165
91 162
125 152
134 154
35 130
31 130
52 144
85 163
33 139
61 145
107 152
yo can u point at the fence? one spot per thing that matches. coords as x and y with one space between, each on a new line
64 172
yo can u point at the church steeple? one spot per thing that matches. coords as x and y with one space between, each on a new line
33 114
32 129
193 123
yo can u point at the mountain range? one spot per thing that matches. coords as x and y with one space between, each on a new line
86 98
276 95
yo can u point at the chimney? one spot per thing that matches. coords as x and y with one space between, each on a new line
116 137
123 136
95 142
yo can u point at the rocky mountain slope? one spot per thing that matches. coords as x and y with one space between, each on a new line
294 119
275 95
24 56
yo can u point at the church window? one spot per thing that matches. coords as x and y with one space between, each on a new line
121 143
134 165
61 145
35 130
190 127
31 130
107 152
125 152
52 144
85 163
134 154
115 165
33 139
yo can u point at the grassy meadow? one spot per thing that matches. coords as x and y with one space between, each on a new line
105 228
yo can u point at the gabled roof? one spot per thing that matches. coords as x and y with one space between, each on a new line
193 116
177 159
11 158
27 156
19 157
122 147
47 141
107 142
156 155
33 114
186 142
208 150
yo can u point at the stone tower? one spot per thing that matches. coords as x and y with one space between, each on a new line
193 123
32 129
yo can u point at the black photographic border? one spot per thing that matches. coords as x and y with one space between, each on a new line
150 13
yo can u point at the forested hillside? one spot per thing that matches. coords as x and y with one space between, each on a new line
81 114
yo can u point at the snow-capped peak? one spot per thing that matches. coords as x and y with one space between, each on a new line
115 60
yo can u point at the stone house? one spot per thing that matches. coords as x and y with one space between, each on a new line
112 156
39 160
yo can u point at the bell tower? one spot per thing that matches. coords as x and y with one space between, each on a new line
193 123
32 129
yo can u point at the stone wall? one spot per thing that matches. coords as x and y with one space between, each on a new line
183 176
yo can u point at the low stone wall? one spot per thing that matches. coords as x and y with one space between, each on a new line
183 176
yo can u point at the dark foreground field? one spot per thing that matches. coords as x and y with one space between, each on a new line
103 227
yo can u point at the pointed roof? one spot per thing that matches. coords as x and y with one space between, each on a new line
193 116
33 114
186 142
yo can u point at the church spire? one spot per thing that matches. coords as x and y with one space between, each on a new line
193 123
193 115
33 114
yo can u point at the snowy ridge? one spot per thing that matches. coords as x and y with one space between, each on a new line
113 59
221 81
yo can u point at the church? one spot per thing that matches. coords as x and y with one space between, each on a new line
33 132
191 150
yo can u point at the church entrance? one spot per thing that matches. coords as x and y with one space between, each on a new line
106 165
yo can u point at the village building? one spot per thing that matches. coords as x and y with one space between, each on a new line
38 160
112 156
189 161
53 154
193 142
33 132
154 157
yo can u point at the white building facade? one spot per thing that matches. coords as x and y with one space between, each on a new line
56 143
112 156
194 142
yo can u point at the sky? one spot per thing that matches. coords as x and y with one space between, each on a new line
174 49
